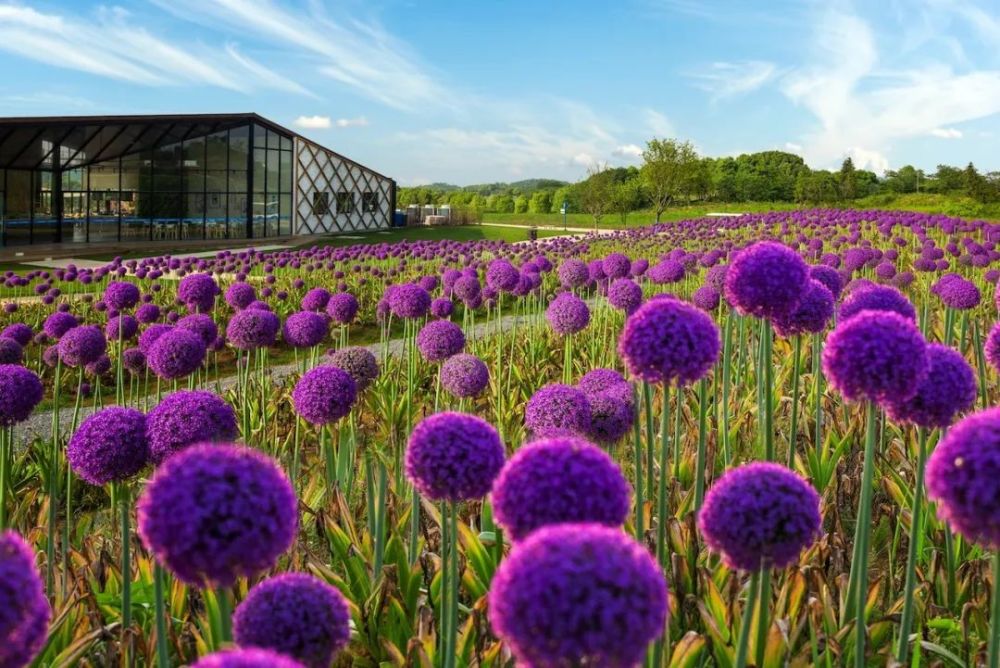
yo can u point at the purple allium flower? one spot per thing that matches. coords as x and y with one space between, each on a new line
706 298
766 280
20 392
877 298
957 292
134 361
829 277
324 395
121 295
213 513
99 367
557 410
122 326
176 354
239 295
359 363
198 292
567 314
246 658
668 340
467 288
573 273
59 323
597 381
578 595
625 295
948 389
464 375
315 300
187 417
440 339
992 347
760 515
11 351
150 336
616 265
109 446
963 477
18 332
611 416
811 315
305 329
82 345
442 308
556 481
502 275
24 610
454 457
147 313
876 356
666 271
409 301
201 324
295 614
50 356
252 328
342 307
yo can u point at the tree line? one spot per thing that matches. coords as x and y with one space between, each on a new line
672 172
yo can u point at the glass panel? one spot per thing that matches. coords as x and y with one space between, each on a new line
286 172
74 179
237 215
345 201
273 139
194 219
74 222
272 171
259 216
369 202
239 145
166 168
285 214
286 143
272 214
136 170
44 226
259 136
194 165
215 216
17 214
104 215
167 208
259 169
216 160
137 211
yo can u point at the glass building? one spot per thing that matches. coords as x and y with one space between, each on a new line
173 178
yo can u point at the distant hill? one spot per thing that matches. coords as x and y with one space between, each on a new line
524 187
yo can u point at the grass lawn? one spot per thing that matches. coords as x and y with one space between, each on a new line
635 219
463 233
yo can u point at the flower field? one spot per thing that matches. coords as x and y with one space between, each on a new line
758 441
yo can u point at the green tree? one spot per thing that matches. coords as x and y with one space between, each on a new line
949 179
595 192
520 204
847 180
666 163
626 197
540 202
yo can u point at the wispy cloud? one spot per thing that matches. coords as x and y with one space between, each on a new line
631 151
947 133
312 122
112 44
723 80
658 124
359 122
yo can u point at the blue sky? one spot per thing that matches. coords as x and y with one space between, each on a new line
489 90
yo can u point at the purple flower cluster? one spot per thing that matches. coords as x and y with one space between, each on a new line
409 301
246 658
877 298
342 307
297 615
239 295
82 345
176 354
567 314
667 341
440 339
760 515
121 295
11 351
324 395
454 457
198 292
109 446
359 363
305 329
501 275
252 328
625 295
464 375
185 418
20 392
948 389
559 480
213 513
766 280
811 316
24 610
578 595
557 410
957 292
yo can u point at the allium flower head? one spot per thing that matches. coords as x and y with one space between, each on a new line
811 315
11 351
992 347
176 354
121 295
957 292
246 658
297 615
557 410
342 307
214 513
409 301
567 314
502 275
109 446
766 280
82 345
963 477
442 308
625 295
252 328
464 375
58 323
454 457
948 389
239 295
315 299
305 329
19 332
611 416
877 298
20 392
201 324
573 273
324 395
24 610
829 277
122 326
150 335
198 292
185 418
596 381
578 595
616 265
556 481
875 356
440 339
667 341
359 363
706 298
760 515
666 271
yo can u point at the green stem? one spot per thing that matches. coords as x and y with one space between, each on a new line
50 545
763 624
661 506
4 474
747 621
768 394
455 588
443 604
794 427
125 507
647 399
225 615
906 622
994 647
863 535
639 491
162 651
699 479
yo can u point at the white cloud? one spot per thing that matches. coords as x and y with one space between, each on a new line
312 122
793 147
628 151
866 159
358 122
658 124
584 159
724 80
947 133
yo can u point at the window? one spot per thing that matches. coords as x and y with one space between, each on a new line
321 203
345 202
369 202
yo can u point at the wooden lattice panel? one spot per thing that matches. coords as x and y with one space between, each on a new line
319 171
